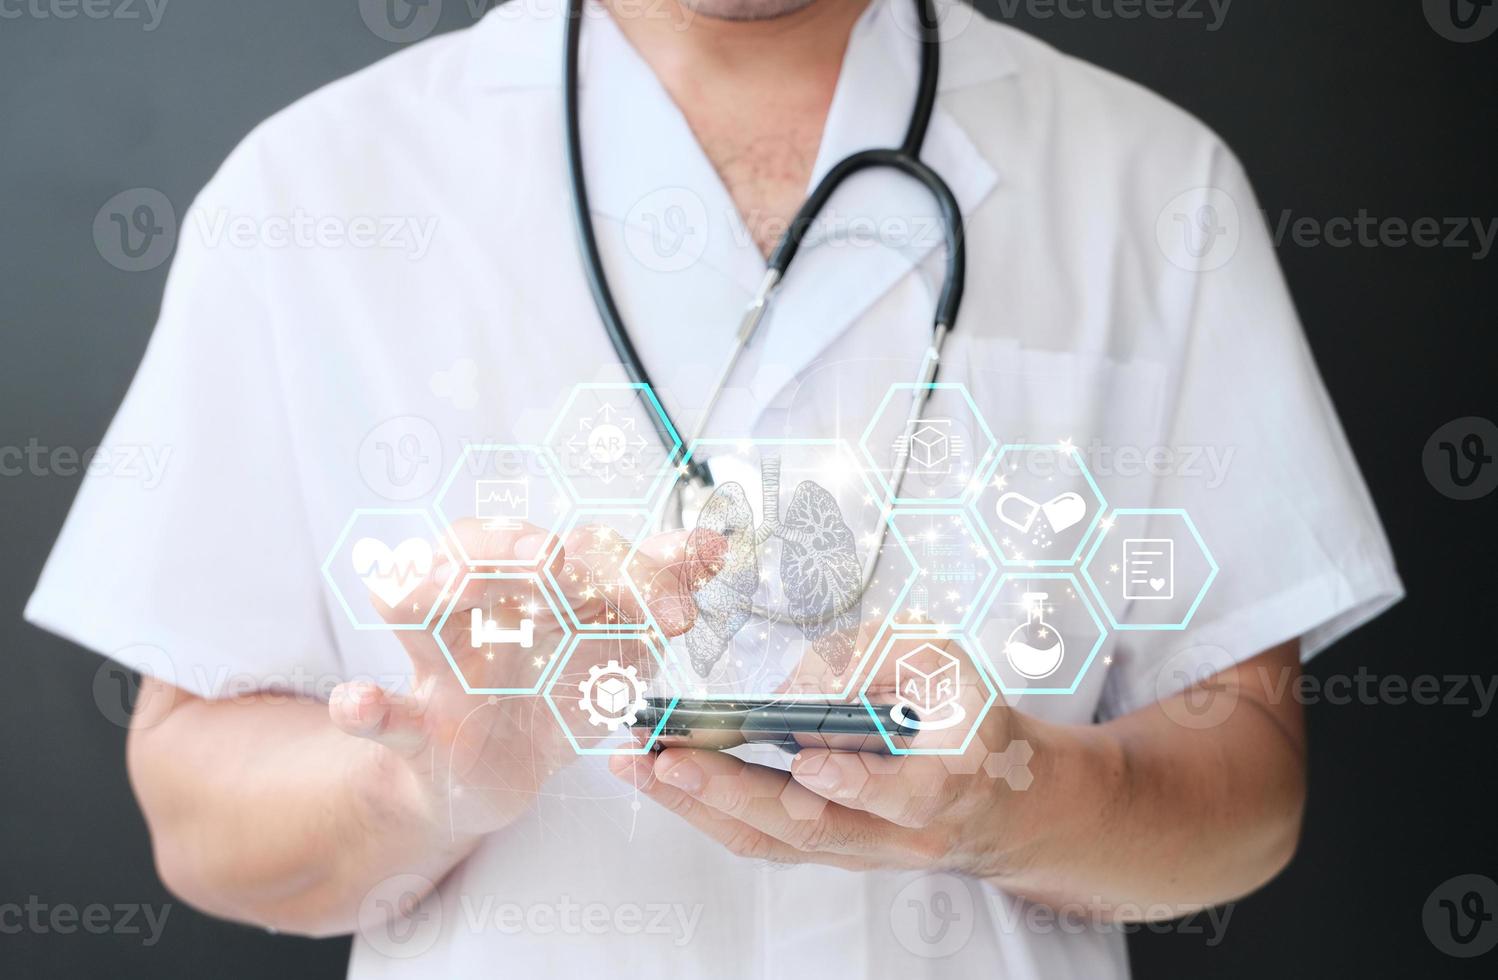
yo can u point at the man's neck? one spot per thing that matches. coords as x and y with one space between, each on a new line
679 44
754 92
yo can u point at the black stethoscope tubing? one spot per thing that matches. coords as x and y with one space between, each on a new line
905 159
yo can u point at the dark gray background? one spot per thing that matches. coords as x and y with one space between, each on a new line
1334 107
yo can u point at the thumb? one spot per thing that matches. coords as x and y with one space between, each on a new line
367 710
669 567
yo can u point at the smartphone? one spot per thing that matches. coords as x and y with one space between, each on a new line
790 725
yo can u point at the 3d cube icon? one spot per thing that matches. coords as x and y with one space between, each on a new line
927 678
612 696
929 446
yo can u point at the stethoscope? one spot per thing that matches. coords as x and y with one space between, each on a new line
697 483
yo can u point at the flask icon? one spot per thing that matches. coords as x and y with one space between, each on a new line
1034 648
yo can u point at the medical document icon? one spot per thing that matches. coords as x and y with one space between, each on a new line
483 632
1034 649
502 504
1149 568
932 446
927 682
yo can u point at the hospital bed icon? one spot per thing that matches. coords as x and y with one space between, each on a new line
485 631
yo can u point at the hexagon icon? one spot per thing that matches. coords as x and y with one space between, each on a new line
955 569
497 494
944 450
788 534
926 693
614 443
1149 569
377 564
1039 506
600 689
502 632
591 578
1038 633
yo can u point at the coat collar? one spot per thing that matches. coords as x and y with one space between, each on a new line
646 185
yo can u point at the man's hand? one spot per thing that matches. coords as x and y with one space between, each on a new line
855 810
1138 813
475 763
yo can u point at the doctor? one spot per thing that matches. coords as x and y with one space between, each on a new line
1099 307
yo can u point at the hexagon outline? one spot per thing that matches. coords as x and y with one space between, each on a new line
888 494
1200 543
1082 594
649 639
884 510
348 527
501 575
966 513
889 742
648 395
551 466
569 525
1081 542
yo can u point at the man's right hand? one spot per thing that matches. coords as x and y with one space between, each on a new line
473 763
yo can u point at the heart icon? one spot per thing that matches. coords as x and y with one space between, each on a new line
1158 584
1061 512
392 573
1064 511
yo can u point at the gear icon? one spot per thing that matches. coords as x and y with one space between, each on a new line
612 695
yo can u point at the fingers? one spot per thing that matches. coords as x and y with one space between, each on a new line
669 567
735 835
913 796
770 802
366 710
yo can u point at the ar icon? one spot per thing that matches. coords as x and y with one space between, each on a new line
927 682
